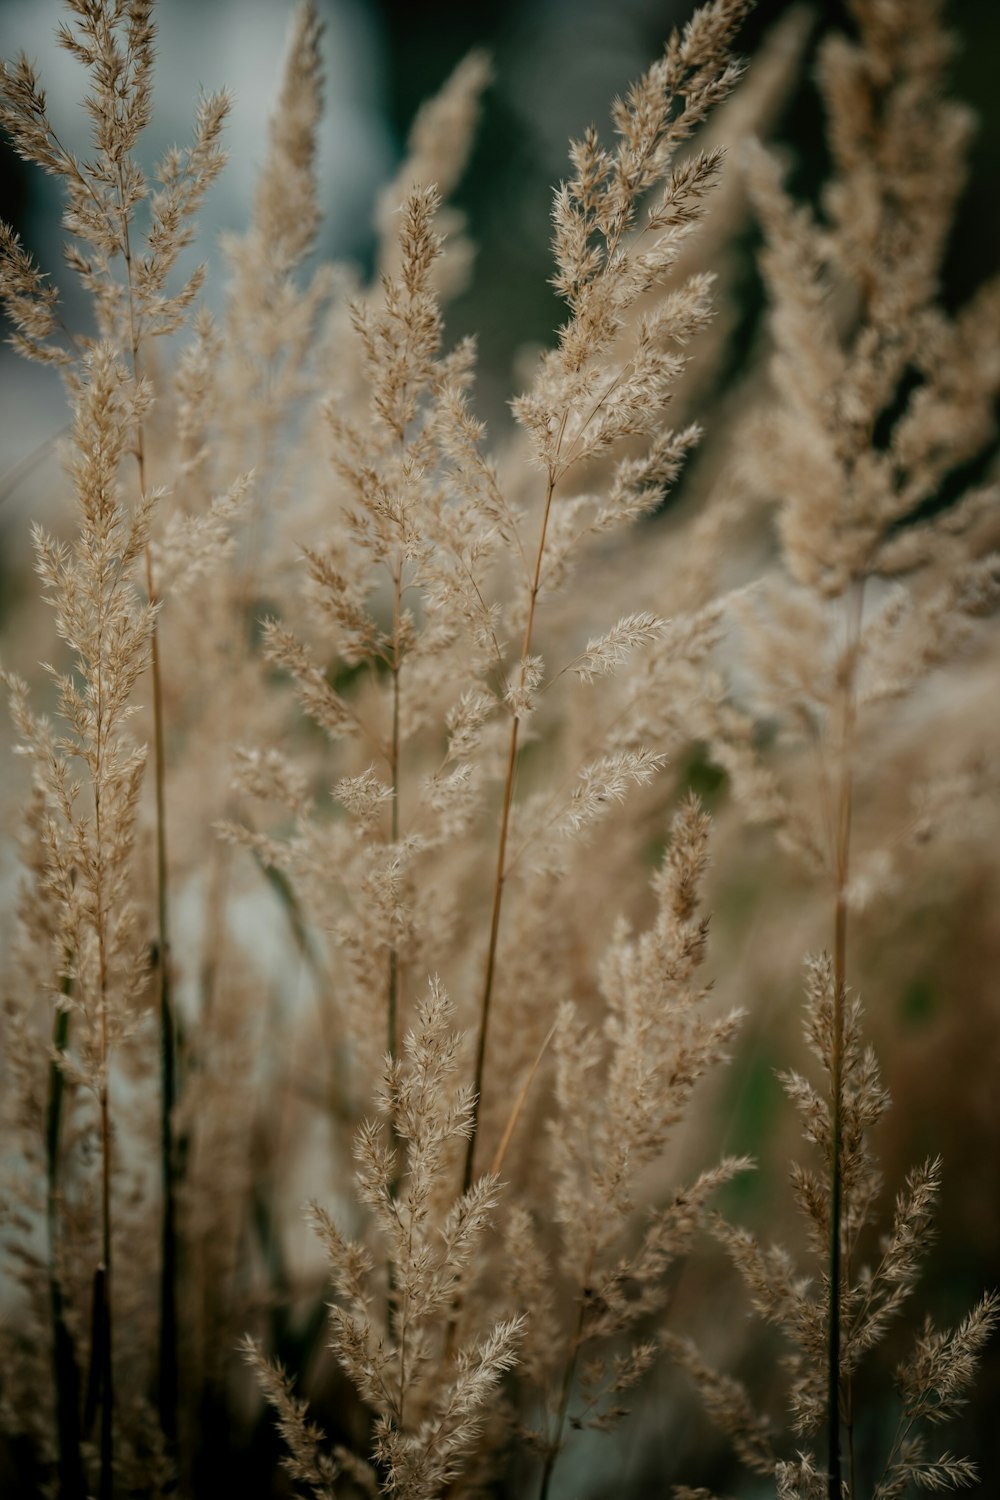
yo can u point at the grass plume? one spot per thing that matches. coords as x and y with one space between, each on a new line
383 767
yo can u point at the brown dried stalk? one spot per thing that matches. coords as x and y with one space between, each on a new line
847 676
608 259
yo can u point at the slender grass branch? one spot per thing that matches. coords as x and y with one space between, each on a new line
393 1000
519 1103
167 1365
569 1374
66 1374
392 1008
558 468
101 1353
848 676
501 871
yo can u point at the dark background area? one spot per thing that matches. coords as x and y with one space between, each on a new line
557 65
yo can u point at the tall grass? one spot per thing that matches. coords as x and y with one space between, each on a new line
415 875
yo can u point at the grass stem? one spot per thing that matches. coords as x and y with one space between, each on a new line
569 1375
66 1374
167 1364
848 675
501 865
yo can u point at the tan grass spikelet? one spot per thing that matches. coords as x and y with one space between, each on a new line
620 1095
429 1412
858 440
933 1383
88 780
438 147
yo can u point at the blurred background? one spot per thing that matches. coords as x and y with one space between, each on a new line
557 64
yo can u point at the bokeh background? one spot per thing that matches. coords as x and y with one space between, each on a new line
557 64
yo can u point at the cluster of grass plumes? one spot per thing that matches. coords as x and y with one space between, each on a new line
370 926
